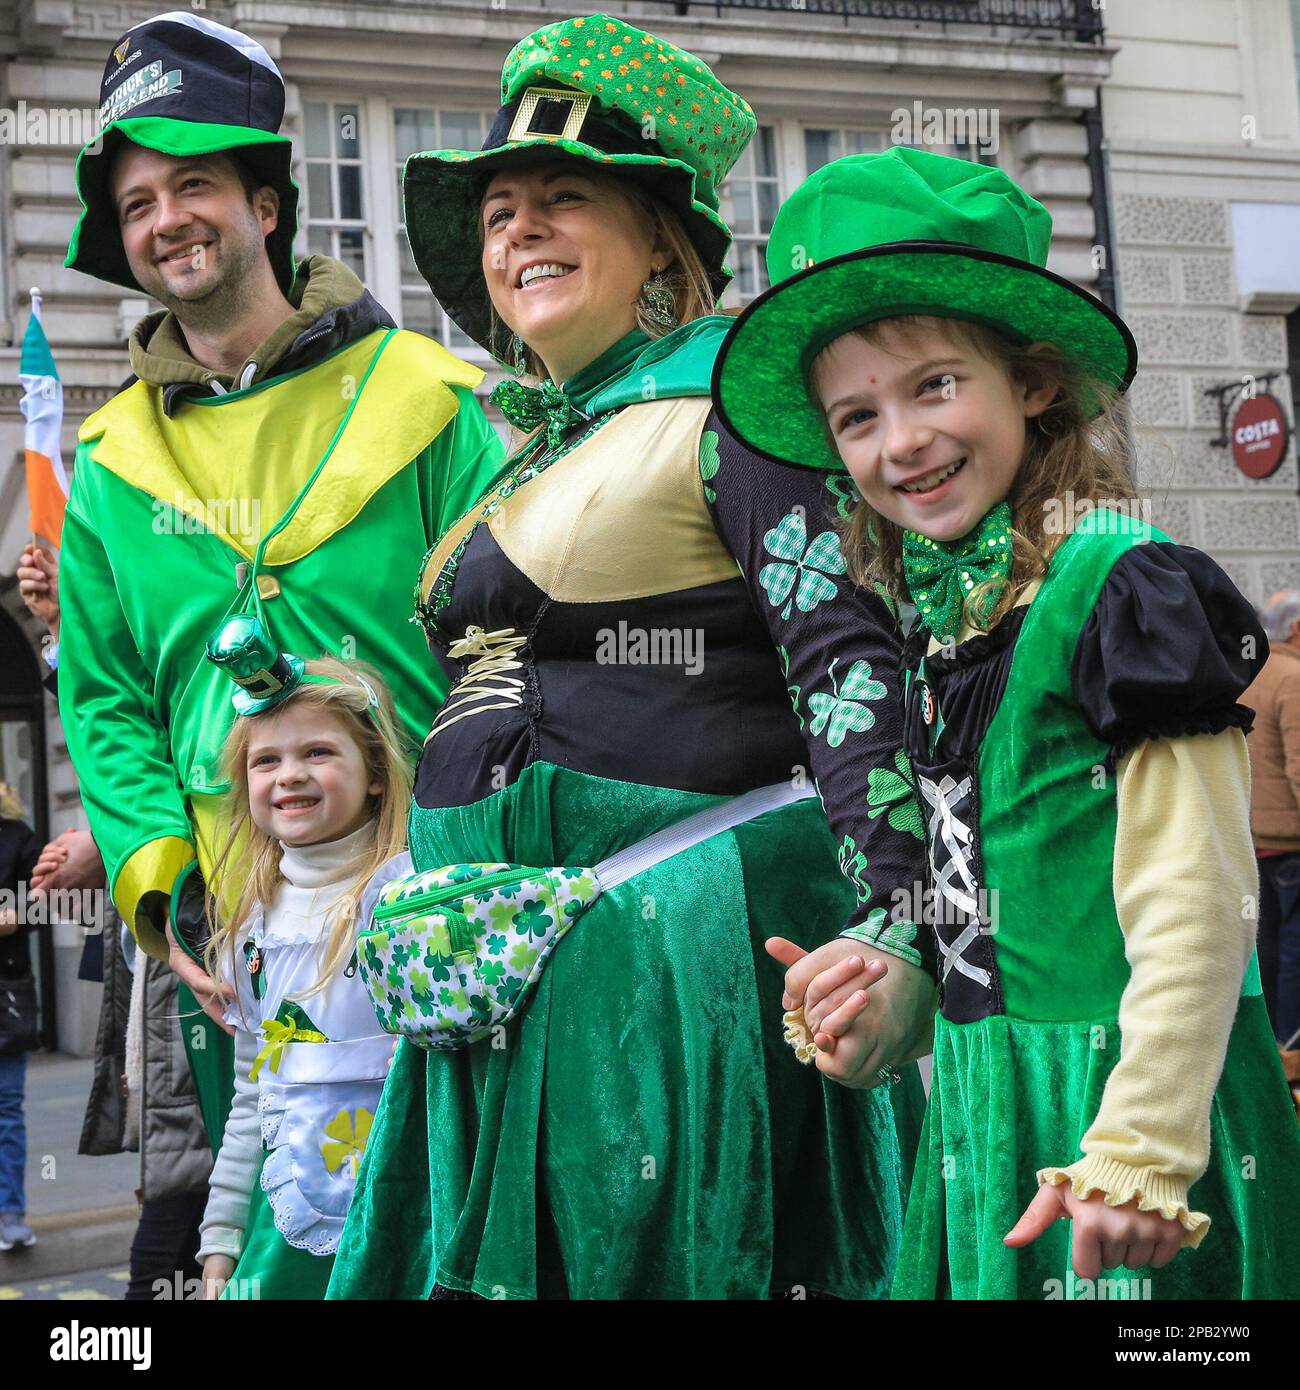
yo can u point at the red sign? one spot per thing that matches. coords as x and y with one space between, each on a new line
1259 436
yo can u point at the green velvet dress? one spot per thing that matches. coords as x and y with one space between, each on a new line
1130 637
642 1130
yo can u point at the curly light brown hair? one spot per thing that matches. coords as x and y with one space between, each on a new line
1079 448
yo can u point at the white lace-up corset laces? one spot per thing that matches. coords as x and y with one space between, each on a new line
486 683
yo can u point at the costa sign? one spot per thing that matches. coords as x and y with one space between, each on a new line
1259 436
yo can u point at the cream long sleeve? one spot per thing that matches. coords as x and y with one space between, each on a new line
1184 874
234 1175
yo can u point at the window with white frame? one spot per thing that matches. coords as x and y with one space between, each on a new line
748 201
347 140
335 214
777 161
822 144
418 128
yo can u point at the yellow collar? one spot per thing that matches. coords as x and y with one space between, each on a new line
263 443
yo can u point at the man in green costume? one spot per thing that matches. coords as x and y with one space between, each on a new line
280 446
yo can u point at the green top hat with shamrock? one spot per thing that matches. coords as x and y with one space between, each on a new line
595 89
265 676
184 86
875 236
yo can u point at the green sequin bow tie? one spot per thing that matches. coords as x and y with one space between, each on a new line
941 575
526 407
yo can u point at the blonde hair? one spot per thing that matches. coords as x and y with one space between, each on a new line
685 276
248 867
1079 446
11 806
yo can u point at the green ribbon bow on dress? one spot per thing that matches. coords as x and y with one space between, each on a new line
942 575
526 407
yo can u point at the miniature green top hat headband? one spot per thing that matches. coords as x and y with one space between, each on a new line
876 236
185 86
266 676
592 88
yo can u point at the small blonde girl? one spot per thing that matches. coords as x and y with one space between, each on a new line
320 789
1075 744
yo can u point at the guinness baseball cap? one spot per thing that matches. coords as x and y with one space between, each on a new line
184 86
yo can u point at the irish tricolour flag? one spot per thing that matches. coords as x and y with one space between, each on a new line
42 406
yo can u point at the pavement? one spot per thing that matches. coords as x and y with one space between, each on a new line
82 1210
97 1285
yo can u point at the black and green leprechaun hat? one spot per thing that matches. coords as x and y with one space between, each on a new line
184 86
600 90
875 236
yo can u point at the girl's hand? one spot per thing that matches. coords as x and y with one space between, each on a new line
824 980
38 584
1103 1237
213 995
217 1270
52 857
864 1013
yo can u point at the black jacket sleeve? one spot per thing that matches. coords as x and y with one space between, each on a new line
839 647
1168 649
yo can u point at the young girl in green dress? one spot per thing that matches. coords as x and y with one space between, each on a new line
1102 1056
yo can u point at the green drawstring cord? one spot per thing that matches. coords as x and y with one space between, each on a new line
248 590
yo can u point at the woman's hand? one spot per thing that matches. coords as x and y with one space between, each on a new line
8 921
217 1270
1103 1237
213 995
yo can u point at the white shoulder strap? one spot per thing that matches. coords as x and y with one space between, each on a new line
673 839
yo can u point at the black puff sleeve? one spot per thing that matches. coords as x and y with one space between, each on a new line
1168 649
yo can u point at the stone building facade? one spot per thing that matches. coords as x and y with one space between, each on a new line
369 81
1202 122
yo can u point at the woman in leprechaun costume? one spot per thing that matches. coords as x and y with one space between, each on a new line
612 616
1102 1054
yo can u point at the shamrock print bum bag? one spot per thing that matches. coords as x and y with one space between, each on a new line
453 953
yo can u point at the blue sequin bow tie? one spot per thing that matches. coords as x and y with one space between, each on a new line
526 407
942 575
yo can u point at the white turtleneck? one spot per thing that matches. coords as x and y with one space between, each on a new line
315 880
314 866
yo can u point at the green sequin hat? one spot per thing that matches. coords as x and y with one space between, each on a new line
599 90
875 236
265 676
